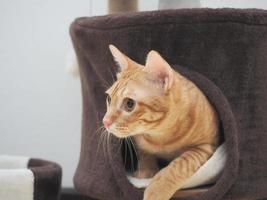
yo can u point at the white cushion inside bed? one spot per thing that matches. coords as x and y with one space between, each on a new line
206 174
16 181
13 162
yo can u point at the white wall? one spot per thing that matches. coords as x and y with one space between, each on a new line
40 105
262 4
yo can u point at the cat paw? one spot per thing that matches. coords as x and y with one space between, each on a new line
144 173
156 192
159 189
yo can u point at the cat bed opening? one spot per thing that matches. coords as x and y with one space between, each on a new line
209 173
226 46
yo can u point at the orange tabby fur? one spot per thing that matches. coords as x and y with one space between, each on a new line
172 119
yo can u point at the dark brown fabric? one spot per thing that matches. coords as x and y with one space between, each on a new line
228 47
47 179
71 194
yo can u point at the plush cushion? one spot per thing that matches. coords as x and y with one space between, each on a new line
23 178
208 173
223 51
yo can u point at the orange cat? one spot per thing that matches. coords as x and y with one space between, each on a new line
166 115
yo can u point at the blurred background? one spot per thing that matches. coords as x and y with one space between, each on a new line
40 103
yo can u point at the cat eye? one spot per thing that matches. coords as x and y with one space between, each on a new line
128 104
108 99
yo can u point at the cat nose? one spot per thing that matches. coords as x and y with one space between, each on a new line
107 122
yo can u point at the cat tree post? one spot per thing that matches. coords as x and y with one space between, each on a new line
116 6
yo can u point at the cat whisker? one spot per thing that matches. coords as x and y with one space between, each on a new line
102 139
108 140
105 83
105 137
99 128
125 154
138 164
105 140
131 155
113 79
128 148
119 146
106 149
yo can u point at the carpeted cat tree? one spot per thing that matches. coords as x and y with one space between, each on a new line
223 51
24 178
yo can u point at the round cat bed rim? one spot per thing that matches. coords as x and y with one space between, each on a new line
226 116
37 178
224 15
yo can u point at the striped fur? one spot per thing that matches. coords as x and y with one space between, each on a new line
172 119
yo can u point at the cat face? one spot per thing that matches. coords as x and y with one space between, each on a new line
138 101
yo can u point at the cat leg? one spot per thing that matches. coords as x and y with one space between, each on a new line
171 178
147 165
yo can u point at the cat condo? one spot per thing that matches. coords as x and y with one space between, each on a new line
24 178
223 51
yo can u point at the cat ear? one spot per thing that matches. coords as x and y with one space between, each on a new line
119 57
157 65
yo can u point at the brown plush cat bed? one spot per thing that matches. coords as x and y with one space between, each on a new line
23 178
223 52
